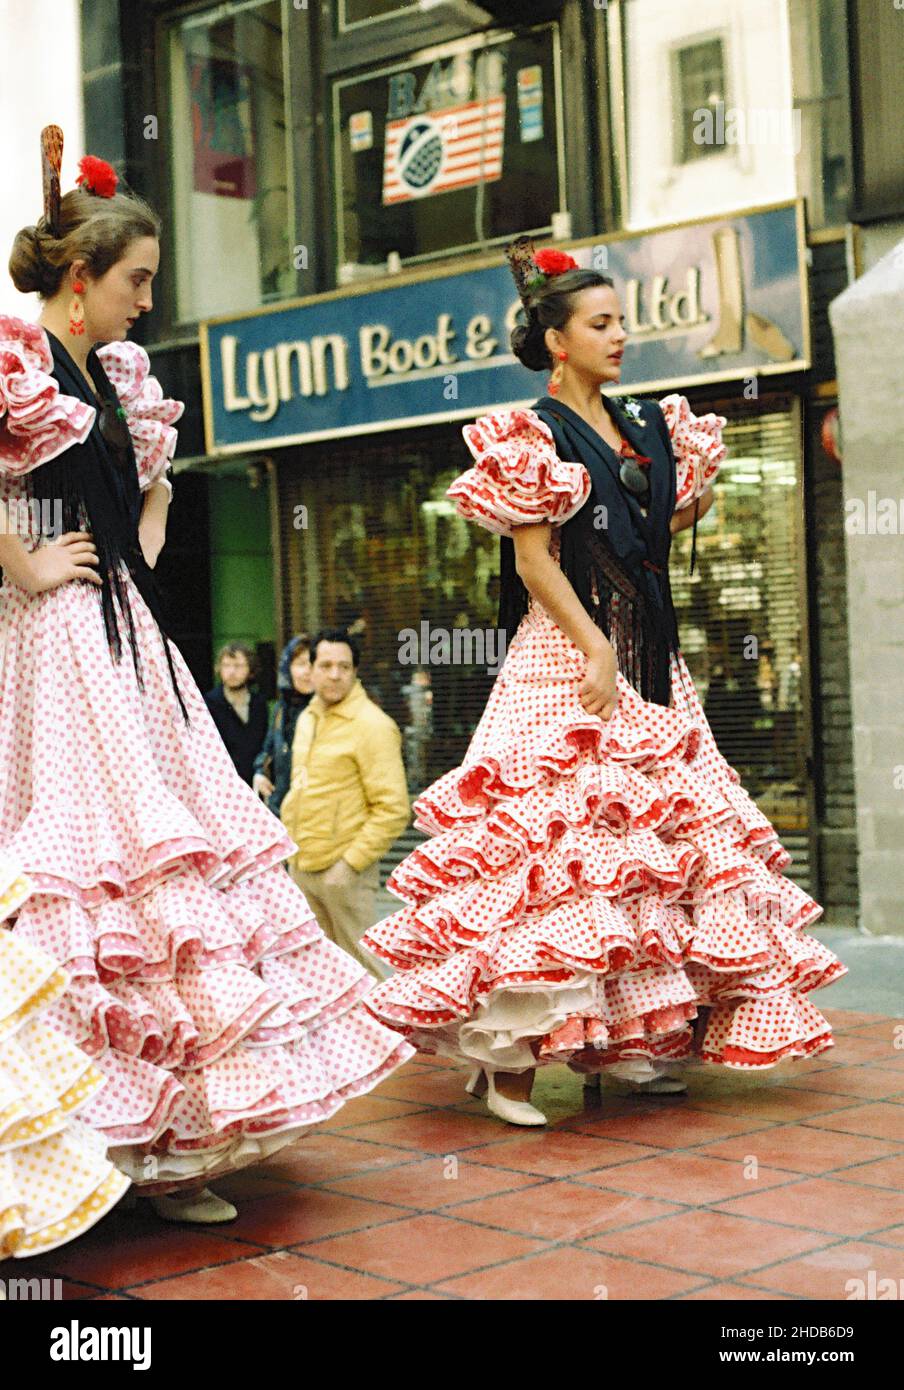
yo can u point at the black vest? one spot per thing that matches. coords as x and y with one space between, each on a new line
610 548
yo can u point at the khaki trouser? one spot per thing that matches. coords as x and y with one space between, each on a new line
344 912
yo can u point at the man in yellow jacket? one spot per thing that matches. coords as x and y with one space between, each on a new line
348 798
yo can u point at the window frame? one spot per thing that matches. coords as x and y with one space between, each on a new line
433 53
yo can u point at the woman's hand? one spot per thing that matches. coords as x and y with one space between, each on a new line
263 786
598 689
69 557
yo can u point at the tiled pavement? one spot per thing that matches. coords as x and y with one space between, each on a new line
786 1186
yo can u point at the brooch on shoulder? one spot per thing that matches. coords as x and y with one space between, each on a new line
631 408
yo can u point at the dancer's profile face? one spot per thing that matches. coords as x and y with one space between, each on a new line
333 671
116 300
594 336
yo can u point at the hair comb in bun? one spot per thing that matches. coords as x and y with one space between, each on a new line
532 269
51 163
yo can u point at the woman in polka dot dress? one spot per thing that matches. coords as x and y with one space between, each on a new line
598 888
55 1178
201 985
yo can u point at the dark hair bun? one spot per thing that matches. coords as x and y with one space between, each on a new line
528 342
28 269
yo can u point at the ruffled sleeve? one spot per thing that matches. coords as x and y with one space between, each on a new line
697 446
149 414
37 421
517 477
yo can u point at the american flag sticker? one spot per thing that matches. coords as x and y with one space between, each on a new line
439 151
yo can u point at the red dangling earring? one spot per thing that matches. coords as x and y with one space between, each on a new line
555 380
76 310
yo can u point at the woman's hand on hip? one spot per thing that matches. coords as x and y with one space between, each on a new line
71 556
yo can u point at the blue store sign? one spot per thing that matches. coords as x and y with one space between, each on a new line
708 301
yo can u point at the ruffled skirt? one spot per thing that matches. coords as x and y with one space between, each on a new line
225 1023
55 1178
589 886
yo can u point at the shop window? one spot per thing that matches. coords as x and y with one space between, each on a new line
456 148
230 186
700 84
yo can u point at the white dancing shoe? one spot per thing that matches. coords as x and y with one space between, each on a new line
205 1208
516 1112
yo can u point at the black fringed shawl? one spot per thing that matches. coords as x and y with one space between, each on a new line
97 485
625 561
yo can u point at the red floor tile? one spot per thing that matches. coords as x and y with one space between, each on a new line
370 1110
129 1248
563 1211
433 1182
882 1172
726 1293
879 1121
865 1082
709 1242
838 1272
857 1047
888 1029
278 1276
847 1020
781 1103
821 1204
894 1236
572 1275
420 1296
672 1128
434 1131
305 1213
421 1249
69 1290
557 1153
322 1156
434 1087
695 1179
800 1149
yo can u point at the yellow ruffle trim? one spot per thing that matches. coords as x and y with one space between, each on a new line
51 989
85 1215
39 1126
14 894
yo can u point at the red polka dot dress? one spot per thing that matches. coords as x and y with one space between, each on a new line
590 884
200 984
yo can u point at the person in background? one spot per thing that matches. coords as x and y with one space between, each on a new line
273 764
348 797
240 713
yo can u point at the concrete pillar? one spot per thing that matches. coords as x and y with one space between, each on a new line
868 325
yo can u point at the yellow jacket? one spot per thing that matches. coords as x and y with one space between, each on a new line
348 797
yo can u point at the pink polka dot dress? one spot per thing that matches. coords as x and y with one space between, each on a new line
200 984
588 885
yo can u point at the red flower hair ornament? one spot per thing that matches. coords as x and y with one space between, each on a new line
97 176
550 263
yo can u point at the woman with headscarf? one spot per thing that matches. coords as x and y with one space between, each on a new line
273 765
